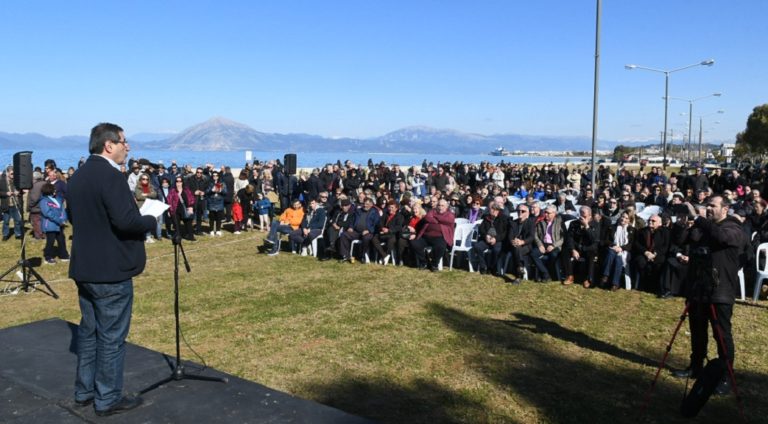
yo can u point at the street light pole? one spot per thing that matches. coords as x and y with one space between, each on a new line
701 130
666 114
690 116
708 62
597 81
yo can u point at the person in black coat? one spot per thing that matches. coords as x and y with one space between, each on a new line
649 252
107 252
712 283
229 181
198 185
581 243
521 238
391 225
492 232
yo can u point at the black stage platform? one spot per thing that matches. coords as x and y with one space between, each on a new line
38 371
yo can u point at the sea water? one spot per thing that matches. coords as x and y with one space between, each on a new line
236 159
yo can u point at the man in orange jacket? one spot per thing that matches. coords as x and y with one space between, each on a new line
288 221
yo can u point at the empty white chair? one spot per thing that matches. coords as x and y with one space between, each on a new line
462 242
459 221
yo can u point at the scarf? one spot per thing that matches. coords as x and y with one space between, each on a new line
621 238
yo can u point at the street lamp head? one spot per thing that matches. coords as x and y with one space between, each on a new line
708 62
630 67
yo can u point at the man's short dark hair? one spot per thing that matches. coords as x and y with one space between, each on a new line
102 133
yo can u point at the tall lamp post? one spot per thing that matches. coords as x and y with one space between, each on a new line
708 62
596 88
690 117
701 120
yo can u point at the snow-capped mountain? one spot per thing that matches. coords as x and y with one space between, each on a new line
221 134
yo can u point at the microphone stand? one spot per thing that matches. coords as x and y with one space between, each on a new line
178 372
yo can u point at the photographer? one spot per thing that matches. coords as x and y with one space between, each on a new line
715 245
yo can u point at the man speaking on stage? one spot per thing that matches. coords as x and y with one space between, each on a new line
107 252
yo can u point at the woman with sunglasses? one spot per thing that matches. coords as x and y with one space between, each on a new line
215 195
182 203
143 191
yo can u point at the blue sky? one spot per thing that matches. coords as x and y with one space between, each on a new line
364 68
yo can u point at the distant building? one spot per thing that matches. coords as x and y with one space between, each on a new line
726 150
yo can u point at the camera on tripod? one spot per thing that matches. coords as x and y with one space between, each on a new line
706 276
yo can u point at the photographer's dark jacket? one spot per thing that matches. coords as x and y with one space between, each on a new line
725 241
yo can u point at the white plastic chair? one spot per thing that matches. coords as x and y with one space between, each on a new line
459 221
649 210
762 271
741 284
366 258
313 245
462 242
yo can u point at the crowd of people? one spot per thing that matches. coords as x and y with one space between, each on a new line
542 222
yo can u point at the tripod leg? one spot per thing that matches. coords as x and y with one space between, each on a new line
648 393
40 280
720 337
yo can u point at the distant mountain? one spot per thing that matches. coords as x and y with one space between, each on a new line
221 134
31 141
148 137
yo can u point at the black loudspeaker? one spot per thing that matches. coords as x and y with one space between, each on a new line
22 170
290 163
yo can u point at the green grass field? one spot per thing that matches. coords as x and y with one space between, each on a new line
401 346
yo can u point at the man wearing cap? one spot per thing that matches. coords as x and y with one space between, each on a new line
341 220
133 177
492 232
364 226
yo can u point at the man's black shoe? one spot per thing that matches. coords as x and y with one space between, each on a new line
665 295
686 373
723 388
5 238
83 403
124 404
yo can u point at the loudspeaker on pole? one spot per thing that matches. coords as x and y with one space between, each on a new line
290 163
22 170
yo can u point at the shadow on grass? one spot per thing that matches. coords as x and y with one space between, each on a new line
542 326
542 371
560 383
421 402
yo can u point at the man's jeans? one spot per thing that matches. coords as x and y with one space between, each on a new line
106 318
274 233
12 213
